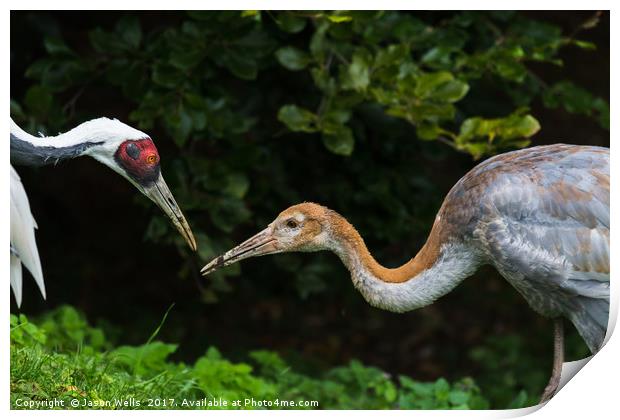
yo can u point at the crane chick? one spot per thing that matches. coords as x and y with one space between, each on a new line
540 216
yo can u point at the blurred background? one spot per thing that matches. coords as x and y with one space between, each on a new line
251 111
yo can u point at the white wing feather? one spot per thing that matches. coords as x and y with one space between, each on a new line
22 239
16 278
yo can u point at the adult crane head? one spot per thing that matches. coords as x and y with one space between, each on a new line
133 155
304 227
127 151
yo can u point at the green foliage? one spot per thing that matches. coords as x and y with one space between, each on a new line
480 134
462 395
63 329
147 358
231 381
502 359
292 58
265 109
25 333
577 100
505 385
144 377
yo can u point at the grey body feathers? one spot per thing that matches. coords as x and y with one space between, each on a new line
540 216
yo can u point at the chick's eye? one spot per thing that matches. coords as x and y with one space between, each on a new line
292 224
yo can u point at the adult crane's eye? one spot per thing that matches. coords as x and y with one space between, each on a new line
133 151
151 159
292 224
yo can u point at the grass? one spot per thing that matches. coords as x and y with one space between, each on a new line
60 361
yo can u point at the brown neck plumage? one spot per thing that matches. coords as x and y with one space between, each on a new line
353 245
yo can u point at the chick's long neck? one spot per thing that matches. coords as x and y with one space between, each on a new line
436 269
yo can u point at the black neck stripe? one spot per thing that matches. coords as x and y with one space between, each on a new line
28 154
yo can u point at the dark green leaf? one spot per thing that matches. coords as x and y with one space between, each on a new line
130 30
288 22
240 64
236 185
297 119
106 43
186 58
438 57
586 45
179 122
428 83
148 357
442 389
339 116
511 70
38 100
428 131
339 141
519 401
452 91
167 76
16 110
458 397
293 58
359 72
56 46
576 100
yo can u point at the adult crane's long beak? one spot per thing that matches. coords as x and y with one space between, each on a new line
161 195
262 243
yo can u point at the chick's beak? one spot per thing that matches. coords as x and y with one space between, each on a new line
262 243
161 195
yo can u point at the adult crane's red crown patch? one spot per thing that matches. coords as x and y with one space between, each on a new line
140 159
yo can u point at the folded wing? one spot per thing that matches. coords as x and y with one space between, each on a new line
23 243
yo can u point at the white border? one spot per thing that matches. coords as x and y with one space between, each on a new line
593 392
